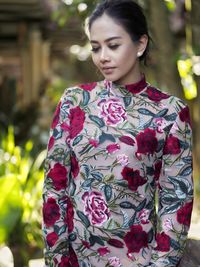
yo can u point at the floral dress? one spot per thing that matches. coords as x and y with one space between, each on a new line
118 185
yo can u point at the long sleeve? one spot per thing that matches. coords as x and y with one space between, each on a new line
175 193
57 204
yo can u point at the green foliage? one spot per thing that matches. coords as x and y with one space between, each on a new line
21 179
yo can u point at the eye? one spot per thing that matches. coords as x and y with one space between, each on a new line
95 49
113 47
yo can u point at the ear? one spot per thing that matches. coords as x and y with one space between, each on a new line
142 45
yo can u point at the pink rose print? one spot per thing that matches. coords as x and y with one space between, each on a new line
112 111
114 262
123 160
160 124
112 148
143 216
95 208
103 251
167 225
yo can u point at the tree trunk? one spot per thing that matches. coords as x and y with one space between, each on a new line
195 22
165 52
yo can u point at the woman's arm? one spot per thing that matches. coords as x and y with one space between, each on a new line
56 201
175 190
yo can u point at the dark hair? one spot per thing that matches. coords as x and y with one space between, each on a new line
128 14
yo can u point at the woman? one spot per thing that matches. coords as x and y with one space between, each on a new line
113 144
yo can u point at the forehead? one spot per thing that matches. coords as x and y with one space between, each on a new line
105 27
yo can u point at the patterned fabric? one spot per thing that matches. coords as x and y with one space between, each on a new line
111 148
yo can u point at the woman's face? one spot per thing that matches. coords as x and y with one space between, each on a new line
113 51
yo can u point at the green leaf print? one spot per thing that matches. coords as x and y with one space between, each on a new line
127 101
171 117
97 120
58 154
104 137
186 171
97 176
145 111
77 140
127 205
141 205
83 218
87 184
96 239
86 98
161 113
108 192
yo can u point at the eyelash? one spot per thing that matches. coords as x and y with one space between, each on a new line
112 47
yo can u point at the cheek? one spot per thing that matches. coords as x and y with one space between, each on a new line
95 59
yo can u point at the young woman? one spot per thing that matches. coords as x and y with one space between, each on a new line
113 144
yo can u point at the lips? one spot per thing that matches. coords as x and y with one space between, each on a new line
108 69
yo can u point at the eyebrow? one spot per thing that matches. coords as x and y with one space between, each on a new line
107 40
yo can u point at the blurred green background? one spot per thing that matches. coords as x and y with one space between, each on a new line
43 50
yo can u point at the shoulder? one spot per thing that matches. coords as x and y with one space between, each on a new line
172 102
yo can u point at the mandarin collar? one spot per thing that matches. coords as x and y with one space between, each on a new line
133 88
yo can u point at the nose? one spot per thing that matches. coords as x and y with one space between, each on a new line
104 55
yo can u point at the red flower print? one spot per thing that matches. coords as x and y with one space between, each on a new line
115 243
112 148
51 142
184 214
95 208
77 118
157 169
147 141
74 166
133 177
94 142
127 140
65 262
56 116
69 217
58 176
73 257
88 86
136 239
156 95
163 242
184 115
103 251
50 212
172 146
86 244
51 239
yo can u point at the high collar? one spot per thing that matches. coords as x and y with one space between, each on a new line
134 88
